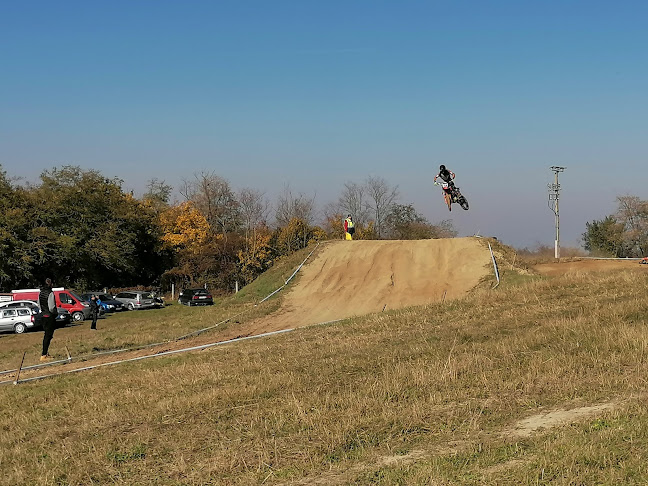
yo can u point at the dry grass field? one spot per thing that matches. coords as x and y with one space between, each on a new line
540 381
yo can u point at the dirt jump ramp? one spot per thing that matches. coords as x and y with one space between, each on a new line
352 278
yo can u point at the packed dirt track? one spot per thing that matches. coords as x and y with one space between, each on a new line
587 265
353 278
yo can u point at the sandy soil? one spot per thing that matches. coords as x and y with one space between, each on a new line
353 278
554 418
561 268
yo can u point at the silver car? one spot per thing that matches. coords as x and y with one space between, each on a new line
21 303
17 319
136 299
62 318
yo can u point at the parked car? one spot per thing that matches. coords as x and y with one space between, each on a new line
112 304
195 297
63 317
65 298
108 303
12 304
136 299
16 319
158 298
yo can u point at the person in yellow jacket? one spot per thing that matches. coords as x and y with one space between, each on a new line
349 228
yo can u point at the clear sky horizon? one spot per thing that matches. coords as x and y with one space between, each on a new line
315 94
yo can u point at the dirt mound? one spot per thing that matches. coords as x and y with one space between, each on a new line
351 278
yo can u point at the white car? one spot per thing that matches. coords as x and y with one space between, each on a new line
21 303
16 319
62 318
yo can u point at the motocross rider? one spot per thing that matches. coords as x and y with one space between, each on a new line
446 176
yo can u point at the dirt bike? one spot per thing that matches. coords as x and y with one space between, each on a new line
453 195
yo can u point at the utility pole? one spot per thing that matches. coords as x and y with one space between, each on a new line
554 197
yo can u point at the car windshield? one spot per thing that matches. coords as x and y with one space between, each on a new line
104 296
75 296
200 292
146 295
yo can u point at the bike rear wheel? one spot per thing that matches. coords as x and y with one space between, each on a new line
463 203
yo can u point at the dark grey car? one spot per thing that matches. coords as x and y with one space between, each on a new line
195 297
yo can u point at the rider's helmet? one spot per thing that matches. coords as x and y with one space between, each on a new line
442 168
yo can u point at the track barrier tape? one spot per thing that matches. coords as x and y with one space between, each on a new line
139 358
175 351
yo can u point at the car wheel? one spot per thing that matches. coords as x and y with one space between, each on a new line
131 306
78 317
20 328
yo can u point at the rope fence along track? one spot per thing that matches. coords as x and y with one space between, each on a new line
145 346
148 356
165 353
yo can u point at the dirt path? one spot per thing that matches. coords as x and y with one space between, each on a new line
561 268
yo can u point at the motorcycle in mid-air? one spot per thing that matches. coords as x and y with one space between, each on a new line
452 194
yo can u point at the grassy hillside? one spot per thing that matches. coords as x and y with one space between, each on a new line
141 328
430 395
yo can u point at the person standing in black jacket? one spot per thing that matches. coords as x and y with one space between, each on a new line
47 302
94 311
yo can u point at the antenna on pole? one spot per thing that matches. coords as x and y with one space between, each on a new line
554 197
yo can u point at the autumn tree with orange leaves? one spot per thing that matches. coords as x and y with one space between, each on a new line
187 232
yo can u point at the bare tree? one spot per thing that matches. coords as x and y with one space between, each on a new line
291 206
381 196
353 201
213 196
633 214
254 209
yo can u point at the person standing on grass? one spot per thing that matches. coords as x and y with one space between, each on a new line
47 302
94 311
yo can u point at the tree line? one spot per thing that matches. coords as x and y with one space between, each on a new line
623 234
84 230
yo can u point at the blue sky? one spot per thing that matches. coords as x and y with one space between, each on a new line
317 93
